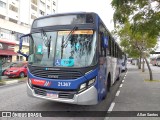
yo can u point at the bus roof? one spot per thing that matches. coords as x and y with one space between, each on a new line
75 13
63 14
65 19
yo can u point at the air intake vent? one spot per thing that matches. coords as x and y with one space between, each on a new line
54 73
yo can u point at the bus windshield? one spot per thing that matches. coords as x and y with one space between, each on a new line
66 49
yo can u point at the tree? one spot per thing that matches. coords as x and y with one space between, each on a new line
140 24
136 44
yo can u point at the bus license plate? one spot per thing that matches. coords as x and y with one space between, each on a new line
52 95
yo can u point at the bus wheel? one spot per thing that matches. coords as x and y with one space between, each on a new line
104 97
108 83
21 75
107 86
118 75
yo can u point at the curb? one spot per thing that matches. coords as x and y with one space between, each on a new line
9 82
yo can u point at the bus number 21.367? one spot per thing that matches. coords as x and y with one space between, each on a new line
67 84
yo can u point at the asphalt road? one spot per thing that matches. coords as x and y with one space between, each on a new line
14 98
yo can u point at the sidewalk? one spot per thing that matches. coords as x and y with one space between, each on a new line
5 80
136 94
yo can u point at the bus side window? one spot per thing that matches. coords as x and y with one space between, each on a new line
112 48
109 46
102 49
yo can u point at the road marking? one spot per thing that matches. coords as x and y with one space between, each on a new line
111 106
121 85
117 94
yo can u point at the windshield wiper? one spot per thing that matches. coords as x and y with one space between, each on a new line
46 40
49 46
64 44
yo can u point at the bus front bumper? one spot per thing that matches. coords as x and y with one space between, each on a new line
87 97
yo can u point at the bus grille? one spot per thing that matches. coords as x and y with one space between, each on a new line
61 94
56 74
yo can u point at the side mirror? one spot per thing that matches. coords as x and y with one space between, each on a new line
21 44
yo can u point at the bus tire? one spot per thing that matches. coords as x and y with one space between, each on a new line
108 83
118 78
106 90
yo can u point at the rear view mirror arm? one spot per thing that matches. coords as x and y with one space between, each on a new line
20 46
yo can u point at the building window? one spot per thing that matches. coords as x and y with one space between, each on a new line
48 7
19 58
41 12
13 8
26 40
2 17
34 2
33 17
2 4
12 20
54 3
34 7
7 34
53 11
42 3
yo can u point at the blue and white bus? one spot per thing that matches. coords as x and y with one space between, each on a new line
72 58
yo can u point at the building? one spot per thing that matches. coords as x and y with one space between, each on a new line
16 17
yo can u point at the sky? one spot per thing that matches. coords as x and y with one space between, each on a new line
102 7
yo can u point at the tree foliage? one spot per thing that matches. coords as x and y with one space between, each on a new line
137 21
144 15
138 24
135 44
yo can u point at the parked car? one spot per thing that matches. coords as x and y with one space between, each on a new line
7 65
158 61
18 70
153 61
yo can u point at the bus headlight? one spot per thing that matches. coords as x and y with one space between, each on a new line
83 86
86 85
91 81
